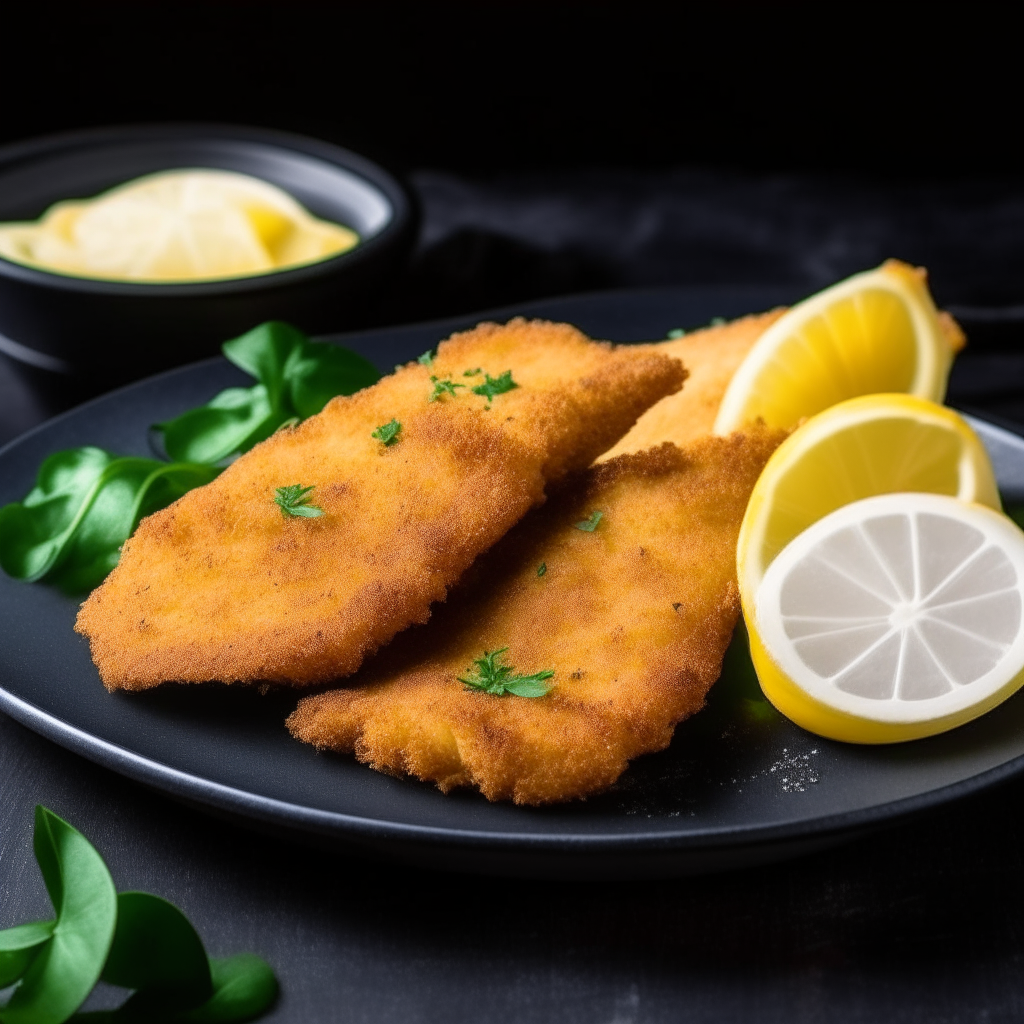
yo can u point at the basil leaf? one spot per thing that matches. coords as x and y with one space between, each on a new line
233 421
244 986
18 946
68 964
157 952
316 372
297 378
263 353
86 503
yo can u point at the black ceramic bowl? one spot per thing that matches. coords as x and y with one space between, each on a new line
93 334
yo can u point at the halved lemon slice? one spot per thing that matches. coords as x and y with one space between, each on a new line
874 332
875 444
892 618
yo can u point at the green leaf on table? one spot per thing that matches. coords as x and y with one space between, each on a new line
157 952
297 378
244 986
18 946
67 964
86 503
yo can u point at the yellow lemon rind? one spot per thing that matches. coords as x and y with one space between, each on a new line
818 718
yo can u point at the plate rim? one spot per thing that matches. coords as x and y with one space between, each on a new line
178 783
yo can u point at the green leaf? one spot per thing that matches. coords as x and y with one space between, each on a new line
542 568
68 964
157 952
427 359
86 503
297 378
263 353
244 987
18 946
234 421
590 525
316 372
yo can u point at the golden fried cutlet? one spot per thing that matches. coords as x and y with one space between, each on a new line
222 586
633 618
711 357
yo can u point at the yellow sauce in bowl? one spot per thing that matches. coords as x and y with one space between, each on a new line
176 226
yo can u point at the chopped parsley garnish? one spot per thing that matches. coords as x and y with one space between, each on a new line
444 387
718 321
542 568
472 373
427 358
387 433
294 500
677 332
590 525
499 679
495 385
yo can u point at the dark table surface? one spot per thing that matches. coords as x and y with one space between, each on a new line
919 922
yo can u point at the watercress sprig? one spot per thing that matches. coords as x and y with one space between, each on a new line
133 939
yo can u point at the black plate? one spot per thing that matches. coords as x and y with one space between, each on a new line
738 785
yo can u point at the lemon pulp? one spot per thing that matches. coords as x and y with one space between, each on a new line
892 618
177 226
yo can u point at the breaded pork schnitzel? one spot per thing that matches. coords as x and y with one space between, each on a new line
632 617
225 585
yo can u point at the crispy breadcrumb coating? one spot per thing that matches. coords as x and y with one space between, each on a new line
222 586
633 617
711 357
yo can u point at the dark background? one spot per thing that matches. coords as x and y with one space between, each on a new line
566 147
557 148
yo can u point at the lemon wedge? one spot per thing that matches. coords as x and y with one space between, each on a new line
874 332
892 618
177 226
